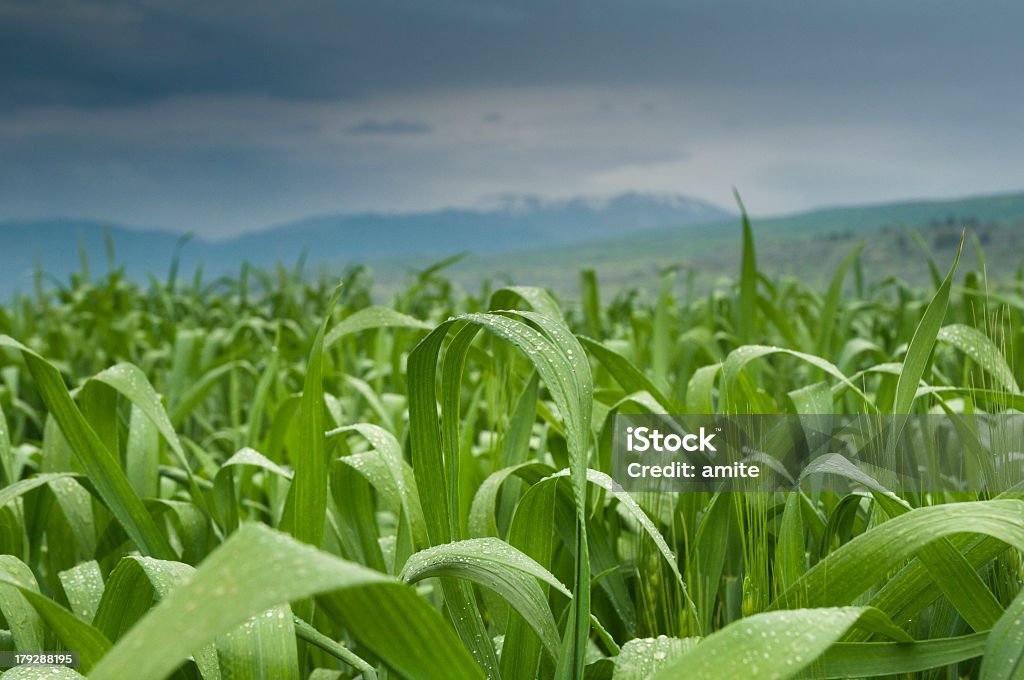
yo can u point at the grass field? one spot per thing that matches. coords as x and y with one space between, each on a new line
906 238
271 477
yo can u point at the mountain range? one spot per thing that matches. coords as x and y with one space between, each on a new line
515 223
626 239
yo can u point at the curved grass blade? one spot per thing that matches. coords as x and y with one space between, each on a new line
1004 652
262 647
746 308
83 587
642 657
778 645
306 632
625 373
494 564
99 464
854 567
538 298
258 568
741 356
980 348
70 630
25 624
559 359
863 659
370 318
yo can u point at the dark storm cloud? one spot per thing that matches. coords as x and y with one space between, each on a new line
81 53
235 114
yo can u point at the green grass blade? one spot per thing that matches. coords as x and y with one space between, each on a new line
862 659
26 610
496 565
980 348
865 561
24 622
830 306
746 311
32 673
308 492
741 356
142 454
308 633
370 318
6 454
83 587
1004 653
641 658
262 647
776 644
790 559
521 651
257 569
100 465
920 349
625 373
560 361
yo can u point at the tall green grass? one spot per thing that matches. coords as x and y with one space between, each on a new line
268 476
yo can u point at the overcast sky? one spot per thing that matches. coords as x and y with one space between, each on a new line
223 116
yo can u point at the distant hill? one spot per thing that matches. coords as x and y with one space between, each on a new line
627 239
513 224
809 245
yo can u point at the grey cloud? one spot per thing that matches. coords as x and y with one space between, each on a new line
242 112
89 52
390 127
